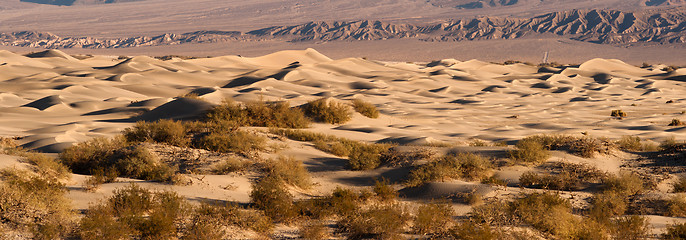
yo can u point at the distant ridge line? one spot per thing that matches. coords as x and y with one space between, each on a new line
596 26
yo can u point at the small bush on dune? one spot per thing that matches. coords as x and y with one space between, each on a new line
630 227
378 221
624 183
581 146
290 171
466 166
384 191
163 131
471 230
339 203
229 165
114 155
630 143
530 152
314 231
608 204
270 195
435 219
671 145
365 108
328 111
233 142
366 156
680 185
546 212
618 113
259 114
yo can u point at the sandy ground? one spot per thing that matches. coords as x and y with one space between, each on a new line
55 100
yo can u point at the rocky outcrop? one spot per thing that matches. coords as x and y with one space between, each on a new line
597 26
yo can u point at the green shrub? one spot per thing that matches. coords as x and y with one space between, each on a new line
162 131
378 221
135 211
365 108
466 166
328 111
529 151
290 171
270 195
434 219
233 142
260 114
675 231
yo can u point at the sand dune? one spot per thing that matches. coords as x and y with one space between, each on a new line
451 100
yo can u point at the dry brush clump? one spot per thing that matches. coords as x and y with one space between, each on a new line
327 111
365 108
110 155
259 114
563 176
467 166
34 203
382 221
163 131
361 156
530 149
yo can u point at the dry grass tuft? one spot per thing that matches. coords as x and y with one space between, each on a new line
290 171
163 131
270 195
434 219
237 141
466 166
377 221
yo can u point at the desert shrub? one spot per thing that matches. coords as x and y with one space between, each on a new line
624 183
44 165
34 203
466 166
114 154
361 156
339 203
101 176
671 145
618 113
581 146
378 221
328 111
290 171
237 141
676 206
471 230
162 131
680 185
630 143
384 191
134 211
494 180
229 165
529 151
218 214
565 176
675 231
546 212
630 227
396 157
366 156
435 219
676 122
270 195
365 108
314 231
260 114
478 143
608 204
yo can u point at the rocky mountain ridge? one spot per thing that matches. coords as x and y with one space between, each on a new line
597 26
